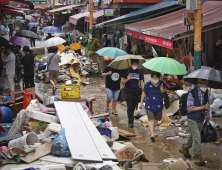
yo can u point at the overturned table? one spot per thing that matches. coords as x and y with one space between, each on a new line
84 98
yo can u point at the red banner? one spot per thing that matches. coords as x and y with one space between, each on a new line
72 20
159 41
130 33
88 20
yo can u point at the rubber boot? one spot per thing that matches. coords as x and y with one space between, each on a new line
185 152
199 161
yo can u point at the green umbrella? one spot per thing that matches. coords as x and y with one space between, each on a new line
111 52
165 65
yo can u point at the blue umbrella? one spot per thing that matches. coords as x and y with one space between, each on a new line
51 29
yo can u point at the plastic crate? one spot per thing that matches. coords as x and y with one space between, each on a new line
7 127
75 46
70 91
105 131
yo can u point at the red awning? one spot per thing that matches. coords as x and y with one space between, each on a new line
74 18
64 8
172 24
4 2
39 7
11 9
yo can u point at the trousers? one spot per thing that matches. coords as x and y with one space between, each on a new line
29 80
10 82
195 137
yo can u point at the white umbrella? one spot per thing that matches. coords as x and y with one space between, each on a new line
30 18
54 41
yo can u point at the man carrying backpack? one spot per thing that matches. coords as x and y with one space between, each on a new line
197 110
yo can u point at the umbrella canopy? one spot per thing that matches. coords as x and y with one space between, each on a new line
51 29
111 52
18 17
54 41
123 62
212 75
33 24
19 22
165 65
30 18
21 41
3 42
27 34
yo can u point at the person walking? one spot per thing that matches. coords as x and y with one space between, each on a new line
32 40
113 78
106 41
197 112
10 68
18 61
28 65
53 61
130 79
1 70
152 91
11 29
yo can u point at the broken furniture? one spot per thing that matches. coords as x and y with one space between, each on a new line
84 98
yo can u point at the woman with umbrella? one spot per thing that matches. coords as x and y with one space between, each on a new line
152 91
28 64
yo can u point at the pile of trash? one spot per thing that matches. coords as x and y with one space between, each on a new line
73 67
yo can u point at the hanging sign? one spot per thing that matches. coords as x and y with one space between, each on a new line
159 41
108 12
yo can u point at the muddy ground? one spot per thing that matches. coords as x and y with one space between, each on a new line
157 151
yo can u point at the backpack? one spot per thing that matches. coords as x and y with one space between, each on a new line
183 103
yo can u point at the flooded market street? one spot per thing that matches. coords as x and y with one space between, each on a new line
156 151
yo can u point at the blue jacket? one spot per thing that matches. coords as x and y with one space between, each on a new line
198 116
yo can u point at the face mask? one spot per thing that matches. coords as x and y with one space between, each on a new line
203 89
134 67
155 81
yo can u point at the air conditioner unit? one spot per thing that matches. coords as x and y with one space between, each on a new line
191 5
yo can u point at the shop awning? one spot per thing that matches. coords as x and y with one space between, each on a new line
74 18
143 12
97 14
7 8
64 8
39 7
169 25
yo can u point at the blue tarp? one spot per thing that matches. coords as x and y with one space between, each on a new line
151 8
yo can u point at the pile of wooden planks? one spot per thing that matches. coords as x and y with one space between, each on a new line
84 140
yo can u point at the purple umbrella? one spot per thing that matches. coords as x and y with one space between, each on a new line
21 41
51 29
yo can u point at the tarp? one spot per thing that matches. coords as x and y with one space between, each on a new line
146 10
64 8
74 18
172 24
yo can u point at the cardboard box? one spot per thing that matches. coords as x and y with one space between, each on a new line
127 153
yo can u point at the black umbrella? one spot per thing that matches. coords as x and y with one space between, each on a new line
33 24
3 42
27 34
213 76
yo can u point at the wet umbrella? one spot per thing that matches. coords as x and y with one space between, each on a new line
33 24
123 62
51 29
21 41
27 34
213 76
30 18
111 52
54 41
3 42
165 65
18 17
19 22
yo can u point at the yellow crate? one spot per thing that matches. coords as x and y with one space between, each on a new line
70 91
75 46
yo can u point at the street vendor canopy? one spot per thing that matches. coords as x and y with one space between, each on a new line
39 7
64 8
169 25
7 8
74 18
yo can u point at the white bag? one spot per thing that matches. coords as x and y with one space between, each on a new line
216 108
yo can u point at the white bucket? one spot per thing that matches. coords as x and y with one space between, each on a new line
29 139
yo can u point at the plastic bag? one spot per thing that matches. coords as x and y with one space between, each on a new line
60 146
216 108
140 114
208 133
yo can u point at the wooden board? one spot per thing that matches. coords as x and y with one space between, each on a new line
55 127
125 133
80 142
104 150
40 152
64 160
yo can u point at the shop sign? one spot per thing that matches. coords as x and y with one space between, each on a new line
159 41
109 12
72 20
88 20
130 33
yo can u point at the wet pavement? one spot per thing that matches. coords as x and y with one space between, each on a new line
157 151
